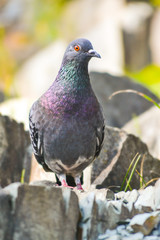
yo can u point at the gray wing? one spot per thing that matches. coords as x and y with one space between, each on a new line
37 143
99 139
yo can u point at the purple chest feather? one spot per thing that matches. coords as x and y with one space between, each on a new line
61 104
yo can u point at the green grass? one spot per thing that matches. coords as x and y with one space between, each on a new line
22 175
132 170
133 163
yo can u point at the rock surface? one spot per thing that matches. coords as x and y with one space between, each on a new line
5 216
14 157
43 211
119 148
145 222
122 107
147 127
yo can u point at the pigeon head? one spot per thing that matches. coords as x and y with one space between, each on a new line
79 50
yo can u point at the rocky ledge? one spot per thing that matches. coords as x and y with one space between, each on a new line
43 211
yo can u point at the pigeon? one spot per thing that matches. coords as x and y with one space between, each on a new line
66 123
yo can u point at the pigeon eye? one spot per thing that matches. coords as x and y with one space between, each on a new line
76 48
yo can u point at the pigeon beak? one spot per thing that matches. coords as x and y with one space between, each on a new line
93 53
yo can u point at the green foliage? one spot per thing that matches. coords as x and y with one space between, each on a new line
149 76
155 3
132 170
22 175
134 161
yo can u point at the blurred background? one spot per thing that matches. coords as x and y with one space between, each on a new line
35 33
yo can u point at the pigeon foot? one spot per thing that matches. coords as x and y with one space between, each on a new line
78 183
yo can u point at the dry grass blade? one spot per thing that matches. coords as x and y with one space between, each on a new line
136 92
150 181
141 179
141 172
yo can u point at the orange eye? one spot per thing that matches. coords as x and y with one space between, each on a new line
76 48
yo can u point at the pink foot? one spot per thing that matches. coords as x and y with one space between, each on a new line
79 187
64 184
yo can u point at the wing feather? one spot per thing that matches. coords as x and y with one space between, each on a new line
99 140
37 144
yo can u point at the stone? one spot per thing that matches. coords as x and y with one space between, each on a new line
116 111
45 183
5 216
47 213
114 237
120 195
127 211
97 213
94 215
119 148
104 236
129 196
136 20
157 195
41 210
114 211
14 141
149 198
146 127
136 236
152 238
155 232
122 231
12 189
145 222
146 199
